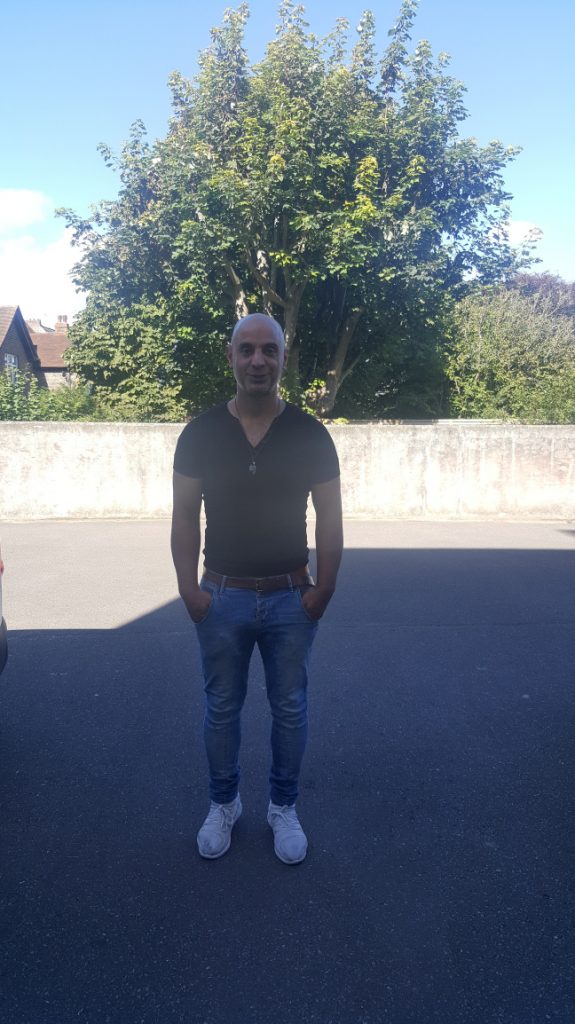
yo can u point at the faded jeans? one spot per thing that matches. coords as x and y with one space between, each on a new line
278 623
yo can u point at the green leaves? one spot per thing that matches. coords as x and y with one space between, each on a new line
333 192
513 356
20 396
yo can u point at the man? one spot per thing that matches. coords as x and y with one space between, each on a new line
254 460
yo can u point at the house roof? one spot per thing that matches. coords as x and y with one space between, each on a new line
50 349
37 325
7 314
11 315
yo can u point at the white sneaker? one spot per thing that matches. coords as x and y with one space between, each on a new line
215 835
290 843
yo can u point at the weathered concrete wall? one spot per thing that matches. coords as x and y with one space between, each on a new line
56 470
458 469
435 470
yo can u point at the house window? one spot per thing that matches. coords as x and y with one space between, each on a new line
10 364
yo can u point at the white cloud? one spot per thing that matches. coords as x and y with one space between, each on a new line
20 207
35 276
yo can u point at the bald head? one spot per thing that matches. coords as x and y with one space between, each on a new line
257 356
259 322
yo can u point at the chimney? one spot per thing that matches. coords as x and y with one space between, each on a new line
62 325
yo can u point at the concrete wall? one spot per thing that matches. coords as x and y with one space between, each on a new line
435 470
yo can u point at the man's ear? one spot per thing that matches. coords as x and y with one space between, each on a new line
229 355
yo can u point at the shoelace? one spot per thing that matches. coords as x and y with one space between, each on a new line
288 817
220 816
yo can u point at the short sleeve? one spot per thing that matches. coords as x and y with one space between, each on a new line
325 461
188 455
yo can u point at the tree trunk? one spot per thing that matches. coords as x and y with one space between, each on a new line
240 303
324 399
262 263
291 314
289 302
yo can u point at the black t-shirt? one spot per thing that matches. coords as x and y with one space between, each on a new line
256 522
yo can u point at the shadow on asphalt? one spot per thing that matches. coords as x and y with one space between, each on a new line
437 794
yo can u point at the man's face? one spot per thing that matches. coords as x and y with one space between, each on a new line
257 357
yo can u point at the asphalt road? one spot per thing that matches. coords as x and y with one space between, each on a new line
437 791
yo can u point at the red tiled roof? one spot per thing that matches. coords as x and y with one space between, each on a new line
50 349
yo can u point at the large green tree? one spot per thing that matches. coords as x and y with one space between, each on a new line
329 187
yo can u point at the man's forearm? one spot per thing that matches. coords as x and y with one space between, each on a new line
329 546
186 542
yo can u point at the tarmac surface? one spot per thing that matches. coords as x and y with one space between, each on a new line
437 790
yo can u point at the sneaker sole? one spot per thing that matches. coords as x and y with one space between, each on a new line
289 862
214 856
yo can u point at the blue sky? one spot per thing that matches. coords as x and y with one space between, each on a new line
73 75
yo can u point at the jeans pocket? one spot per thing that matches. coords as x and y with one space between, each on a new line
300 591
206 589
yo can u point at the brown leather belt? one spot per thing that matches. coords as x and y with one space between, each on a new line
262 584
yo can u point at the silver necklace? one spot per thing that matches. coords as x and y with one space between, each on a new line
252 468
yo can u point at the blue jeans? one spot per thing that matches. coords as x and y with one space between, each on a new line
278 623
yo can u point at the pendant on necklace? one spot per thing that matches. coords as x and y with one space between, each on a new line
252 467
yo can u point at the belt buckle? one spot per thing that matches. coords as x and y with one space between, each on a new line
259 585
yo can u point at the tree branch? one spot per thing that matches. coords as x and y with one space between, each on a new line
263 282
241 306
345 339
349 370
